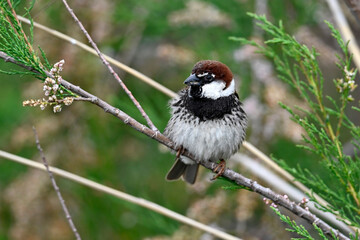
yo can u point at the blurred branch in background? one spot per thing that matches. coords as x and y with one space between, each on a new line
113 61
52 179
345 29
121 195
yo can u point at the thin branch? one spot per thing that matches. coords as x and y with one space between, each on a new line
229 174
256 169
282 172
57 189
121 195
111 70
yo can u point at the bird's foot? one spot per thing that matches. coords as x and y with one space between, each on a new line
220 169
180 151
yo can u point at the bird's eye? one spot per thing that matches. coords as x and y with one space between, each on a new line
209 77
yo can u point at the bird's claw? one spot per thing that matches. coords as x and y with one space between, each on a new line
222 166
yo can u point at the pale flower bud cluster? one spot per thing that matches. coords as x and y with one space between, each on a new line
303 203
347 83
58 67
269 202
51 88
52 91
33 103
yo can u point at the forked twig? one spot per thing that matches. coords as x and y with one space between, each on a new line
57 190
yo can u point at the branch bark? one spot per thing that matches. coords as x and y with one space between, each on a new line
228 174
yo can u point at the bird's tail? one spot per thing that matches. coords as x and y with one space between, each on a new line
188 171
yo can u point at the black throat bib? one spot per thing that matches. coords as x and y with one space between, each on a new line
207 108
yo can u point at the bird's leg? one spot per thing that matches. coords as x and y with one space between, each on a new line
180 151
220 169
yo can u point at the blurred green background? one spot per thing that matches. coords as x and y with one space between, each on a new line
163 40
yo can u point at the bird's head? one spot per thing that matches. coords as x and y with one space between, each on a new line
210 79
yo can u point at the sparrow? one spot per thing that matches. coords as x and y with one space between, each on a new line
207 120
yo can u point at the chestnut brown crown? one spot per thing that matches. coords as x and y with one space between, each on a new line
220 70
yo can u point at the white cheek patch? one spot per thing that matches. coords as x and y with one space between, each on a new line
215 89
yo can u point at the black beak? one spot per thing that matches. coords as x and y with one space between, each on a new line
192 80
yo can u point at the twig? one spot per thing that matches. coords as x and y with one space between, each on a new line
111 70
57 190
121 195
229 174
345 30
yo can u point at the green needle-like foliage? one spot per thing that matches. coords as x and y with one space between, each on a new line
324 121
294 227
15 43
300 230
